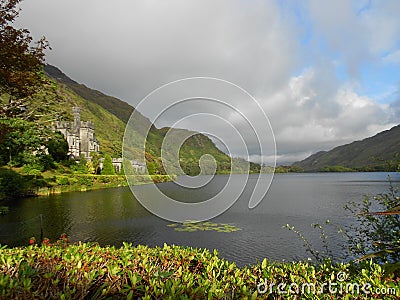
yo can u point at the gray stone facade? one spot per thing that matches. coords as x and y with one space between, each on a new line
79 135
139 168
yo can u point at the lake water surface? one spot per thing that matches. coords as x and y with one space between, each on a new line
113 216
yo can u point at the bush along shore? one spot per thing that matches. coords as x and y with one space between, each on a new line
93 182
88 271
13 184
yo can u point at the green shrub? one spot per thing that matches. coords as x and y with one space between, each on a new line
80 167
32 170
85 180
104 179
108 167
62 180
40 183
337 169
73 180
171 272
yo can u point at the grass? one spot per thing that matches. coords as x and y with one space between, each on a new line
89 271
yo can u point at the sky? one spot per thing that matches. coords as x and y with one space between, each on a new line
324 72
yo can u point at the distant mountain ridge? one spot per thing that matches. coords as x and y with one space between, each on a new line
368 154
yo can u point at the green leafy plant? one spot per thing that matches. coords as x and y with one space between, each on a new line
85 270
320 256
62 180
108 168
376 234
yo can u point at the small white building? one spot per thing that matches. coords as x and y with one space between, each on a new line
117 163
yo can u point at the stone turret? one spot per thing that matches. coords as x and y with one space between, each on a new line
77 119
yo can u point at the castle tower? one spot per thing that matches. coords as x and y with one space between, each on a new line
77 119
79 135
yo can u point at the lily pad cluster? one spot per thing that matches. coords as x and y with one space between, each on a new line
192 226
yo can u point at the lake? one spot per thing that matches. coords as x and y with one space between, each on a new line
112 216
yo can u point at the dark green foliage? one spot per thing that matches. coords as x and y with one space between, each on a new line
13 184
19 142
46 161
85 180
108 168
338 169
62 180
58 147
80 167
288 169
255 168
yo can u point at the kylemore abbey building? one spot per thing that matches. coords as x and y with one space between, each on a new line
82 140
79 135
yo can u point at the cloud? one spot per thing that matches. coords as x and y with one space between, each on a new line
143 44
354 31
314 113
289 56
393 57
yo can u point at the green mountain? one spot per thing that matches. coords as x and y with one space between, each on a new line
373 153
119 108
110 116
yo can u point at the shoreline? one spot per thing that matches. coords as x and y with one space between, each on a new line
64 183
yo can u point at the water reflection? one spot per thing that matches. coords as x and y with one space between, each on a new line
113 216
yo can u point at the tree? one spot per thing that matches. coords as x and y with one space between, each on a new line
19 142
90 167
21 76
152 167
96 162
20 63
80 167
127 167
12 185
58 147
108 167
